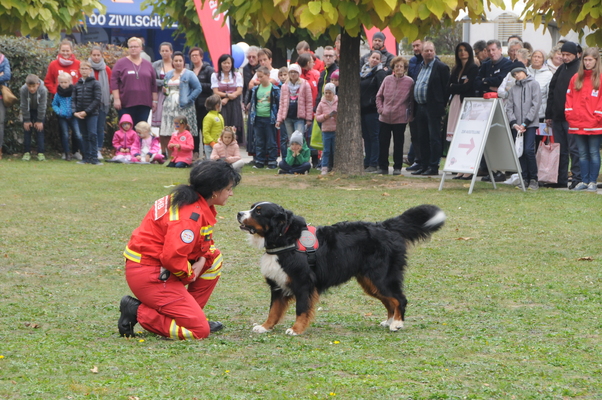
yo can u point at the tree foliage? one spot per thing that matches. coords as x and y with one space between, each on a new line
39 17
569 15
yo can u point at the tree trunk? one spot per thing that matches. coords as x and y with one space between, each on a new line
348 157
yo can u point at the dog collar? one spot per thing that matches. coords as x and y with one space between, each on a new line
278 250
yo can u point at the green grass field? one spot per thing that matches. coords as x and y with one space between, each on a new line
503 302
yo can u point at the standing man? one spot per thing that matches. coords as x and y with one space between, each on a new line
378 43
330 65
248 72
413 70
480 52
430 94
556 119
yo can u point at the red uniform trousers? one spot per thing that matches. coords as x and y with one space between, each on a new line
168 308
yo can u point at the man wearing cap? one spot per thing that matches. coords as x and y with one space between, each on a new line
556 119
378 43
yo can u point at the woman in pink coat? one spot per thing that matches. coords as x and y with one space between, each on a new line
296 106
147 149
227 149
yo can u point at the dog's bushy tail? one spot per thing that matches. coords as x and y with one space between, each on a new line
417 223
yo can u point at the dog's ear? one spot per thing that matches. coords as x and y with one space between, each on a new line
281 221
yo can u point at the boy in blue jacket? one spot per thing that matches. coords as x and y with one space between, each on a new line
61 104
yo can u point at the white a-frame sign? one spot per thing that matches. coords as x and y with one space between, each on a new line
482 130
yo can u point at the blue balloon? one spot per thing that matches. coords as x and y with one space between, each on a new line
238 55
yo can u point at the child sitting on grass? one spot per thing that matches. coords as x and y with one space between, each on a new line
124 139
297 156
181 144
147 148
227 149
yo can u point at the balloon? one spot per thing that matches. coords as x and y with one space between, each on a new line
244 48
238 55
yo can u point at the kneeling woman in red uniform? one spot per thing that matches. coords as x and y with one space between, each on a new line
173 247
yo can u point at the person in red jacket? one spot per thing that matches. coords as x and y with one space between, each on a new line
65 62
173 247
181 144
583 112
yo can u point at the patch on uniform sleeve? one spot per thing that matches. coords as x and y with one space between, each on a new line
187 236
161 207
194 216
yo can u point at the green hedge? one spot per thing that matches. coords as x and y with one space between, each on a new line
31 56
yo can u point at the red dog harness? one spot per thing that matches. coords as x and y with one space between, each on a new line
307 243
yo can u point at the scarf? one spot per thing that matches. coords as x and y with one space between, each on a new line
64 92
103 79
367 70
64 62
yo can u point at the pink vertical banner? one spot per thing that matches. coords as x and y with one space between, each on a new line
390 42
215 29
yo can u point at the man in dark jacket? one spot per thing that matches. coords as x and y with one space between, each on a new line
413 70
248 71
378 43
430 94
330 65
555 116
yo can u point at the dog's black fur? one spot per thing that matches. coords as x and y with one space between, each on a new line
373 253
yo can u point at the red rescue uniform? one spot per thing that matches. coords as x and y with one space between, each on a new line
173 238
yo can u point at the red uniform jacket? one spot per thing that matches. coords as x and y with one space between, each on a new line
174 237
583 108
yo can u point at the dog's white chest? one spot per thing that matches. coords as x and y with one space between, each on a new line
270 269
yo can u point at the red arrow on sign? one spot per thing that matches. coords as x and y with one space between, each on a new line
467 146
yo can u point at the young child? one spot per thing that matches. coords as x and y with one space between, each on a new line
124 139
522 108
146 147
181 144
283 75
297 156
85 104
264 109
334 78
227 149
61 104
33 97
213 123
326 114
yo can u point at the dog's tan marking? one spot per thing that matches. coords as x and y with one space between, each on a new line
302 322
390 303
277 311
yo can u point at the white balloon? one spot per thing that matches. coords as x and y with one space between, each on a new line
244 48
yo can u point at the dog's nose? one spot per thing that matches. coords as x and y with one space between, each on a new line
239 215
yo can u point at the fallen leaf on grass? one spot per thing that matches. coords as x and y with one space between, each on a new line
94 370
32 325
585 259
386 194
123 207
464 238
133 398
368 314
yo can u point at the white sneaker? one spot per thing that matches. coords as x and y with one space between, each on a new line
581 186
63 156
99 155
77 155
592 187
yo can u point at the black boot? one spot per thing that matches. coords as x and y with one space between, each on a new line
215 326
129 313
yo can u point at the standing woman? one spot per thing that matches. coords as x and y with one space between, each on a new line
394 102
372 75
173 247
102 73
228 85
203 72
5 76
181 88
542 74
162 67
583 111
133 84
461 84
65 62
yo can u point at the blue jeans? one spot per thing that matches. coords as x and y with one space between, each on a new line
87 127
328 151
528 165
589 156
370 129
138 113
100 129
208 150
568 149
297 169
179 164
291 125
39 134
64 124
266 151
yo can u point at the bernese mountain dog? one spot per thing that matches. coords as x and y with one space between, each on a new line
301 263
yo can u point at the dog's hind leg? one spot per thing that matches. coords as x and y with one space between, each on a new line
395 302
305 313
373 291
278 307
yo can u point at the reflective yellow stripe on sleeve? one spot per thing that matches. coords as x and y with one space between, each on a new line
132 255
173 330
215 270
174 213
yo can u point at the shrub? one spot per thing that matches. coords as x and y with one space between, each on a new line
31 56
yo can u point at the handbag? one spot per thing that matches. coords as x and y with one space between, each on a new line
8 97
518 144
316 137
547 158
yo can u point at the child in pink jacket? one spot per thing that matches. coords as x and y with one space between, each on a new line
181 144
147 149
326 114
227 149
123 139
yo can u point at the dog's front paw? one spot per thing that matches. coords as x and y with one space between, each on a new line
291 332
387 322
260 329
395 326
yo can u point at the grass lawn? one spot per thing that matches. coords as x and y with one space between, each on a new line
503 302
